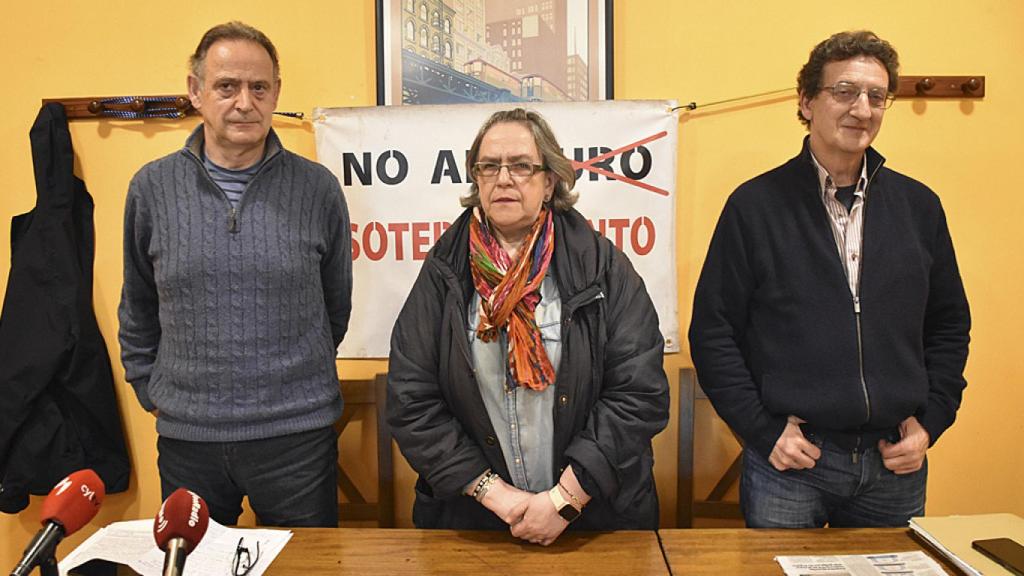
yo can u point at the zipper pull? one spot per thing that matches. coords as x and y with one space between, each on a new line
854 456
232 220
856 304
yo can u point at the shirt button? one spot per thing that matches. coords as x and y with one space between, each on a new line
518 460
563 400
490 440
512 426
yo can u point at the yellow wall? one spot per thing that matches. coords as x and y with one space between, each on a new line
702 51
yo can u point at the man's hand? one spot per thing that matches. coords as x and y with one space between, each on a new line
540 522
907 455
503 499
792 450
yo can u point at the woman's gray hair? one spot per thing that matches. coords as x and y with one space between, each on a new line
550 155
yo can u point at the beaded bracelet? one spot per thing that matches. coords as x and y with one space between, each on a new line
483 484
488 482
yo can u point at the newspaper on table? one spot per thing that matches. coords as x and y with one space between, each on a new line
131 543
902 563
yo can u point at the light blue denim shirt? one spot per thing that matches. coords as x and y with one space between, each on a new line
522 418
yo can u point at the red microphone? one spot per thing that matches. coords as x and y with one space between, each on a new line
71 504
178 528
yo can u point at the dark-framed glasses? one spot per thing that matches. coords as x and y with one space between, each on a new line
517 170
848 93
244 560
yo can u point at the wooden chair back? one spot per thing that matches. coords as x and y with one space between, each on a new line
714 505
359 394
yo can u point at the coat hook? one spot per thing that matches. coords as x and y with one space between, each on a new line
970 86
939 86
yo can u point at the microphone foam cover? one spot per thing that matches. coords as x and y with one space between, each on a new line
74 501
183 515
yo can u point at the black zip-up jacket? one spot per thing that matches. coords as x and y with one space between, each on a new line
774 331
59 413
611 391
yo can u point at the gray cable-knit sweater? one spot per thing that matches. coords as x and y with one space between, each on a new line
230 317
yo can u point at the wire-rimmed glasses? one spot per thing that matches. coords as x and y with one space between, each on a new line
517 170
848 92
244 561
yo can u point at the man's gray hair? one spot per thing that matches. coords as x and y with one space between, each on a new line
231 31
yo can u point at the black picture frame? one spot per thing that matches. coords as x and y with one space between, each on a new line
430 53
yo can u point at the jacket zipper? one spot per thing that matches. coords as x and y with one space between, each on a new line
860 364
588 296
860 357
860 334
579 300
233 212
456 288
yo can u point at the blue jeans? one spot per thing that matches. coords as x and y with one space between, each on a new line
837 491
290 480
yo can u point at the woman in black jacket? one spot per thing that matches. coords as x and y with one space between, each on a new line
525 379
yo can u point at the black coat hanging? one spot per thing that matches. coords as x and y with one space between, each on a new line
58 411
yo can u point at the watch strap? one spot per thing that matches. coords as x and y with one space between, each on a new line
565 509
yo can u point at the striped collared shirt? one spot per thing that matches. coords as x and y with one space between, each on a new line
847 227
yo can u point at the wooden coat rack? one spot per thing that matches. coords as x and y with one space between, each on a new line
134 107
907 87
126 107
941 87
179 106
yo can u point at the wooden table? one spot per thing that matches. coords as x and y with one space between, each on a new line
753 552
314 551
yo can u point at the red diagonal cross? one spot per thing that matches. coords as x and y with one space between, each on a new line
589 164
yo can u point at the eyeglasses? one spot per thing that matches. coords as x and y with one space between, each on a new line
848 93
243 561
517 170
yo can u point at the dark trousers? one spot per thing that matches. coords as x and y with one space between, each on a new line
290 480
838 491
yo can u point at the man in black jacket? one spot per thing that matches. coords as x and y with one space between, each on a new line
830 326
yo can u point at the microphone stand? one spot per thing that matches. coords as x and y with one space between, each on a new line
41 552
48 566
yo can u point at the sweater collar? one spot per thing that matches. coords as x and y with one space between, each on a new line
873 164
827 185
194 144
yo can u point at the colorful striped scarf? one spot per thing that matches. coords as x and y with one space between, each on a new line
509 294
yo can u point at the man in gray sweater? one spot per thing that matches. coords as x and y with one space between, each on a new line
237 291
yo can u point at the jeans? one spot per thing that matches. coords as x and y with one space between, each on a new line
290 480
837 491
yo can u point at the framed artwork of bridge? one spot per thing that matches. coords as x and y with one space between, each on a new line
463 51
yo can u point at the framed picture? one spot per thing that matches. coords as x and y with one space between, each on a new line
471 51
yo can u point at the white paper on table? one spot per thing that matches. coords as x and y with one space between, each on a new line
889 564
952 537
934 543
131 543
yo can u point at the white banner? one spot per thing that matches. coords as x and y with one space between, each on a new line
402 169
